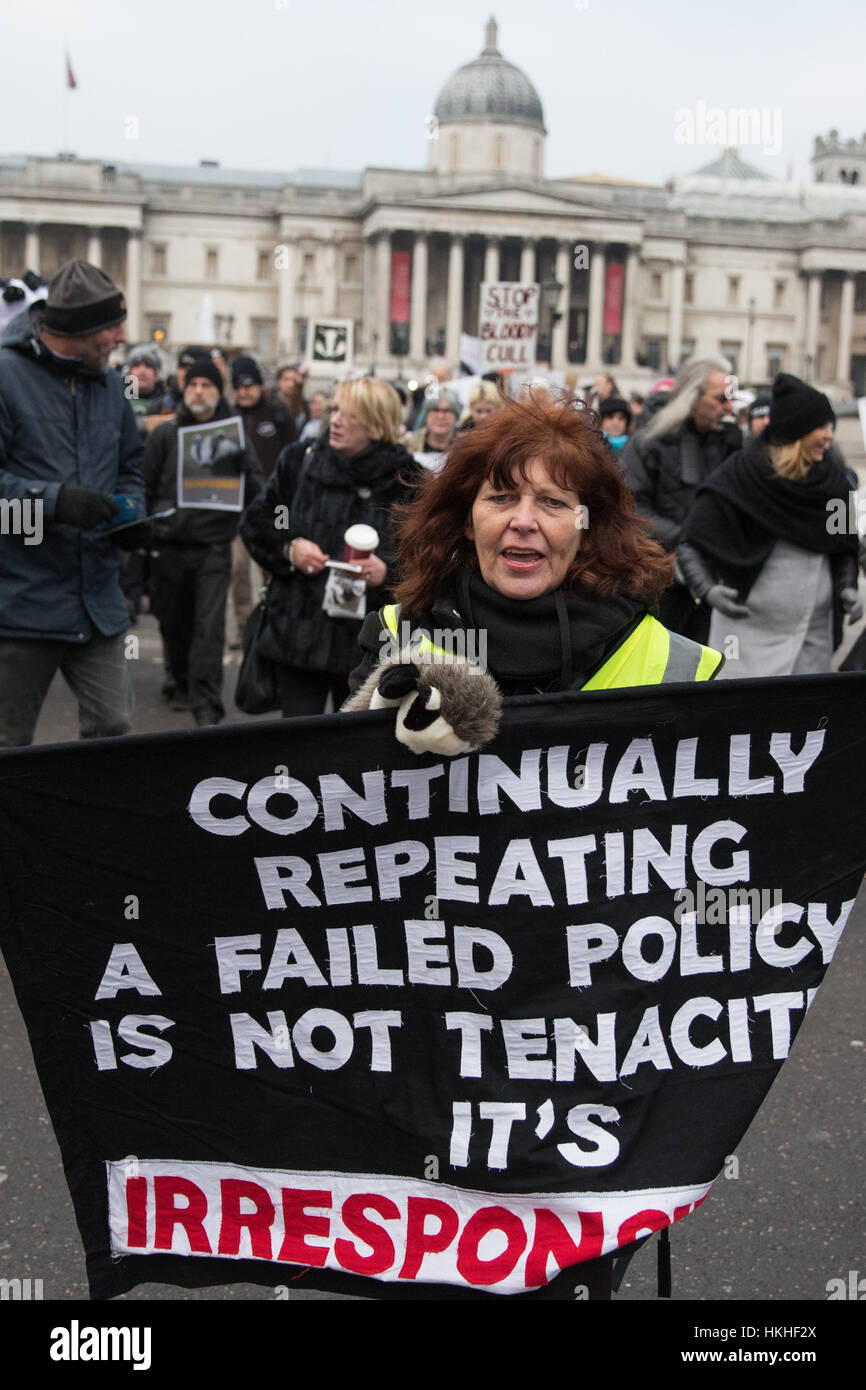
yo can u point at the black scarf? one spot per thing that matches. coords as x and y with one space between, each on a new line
555 642
744 507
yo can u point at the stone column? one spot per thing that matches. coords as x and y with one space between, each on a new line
94 247
527 261
629 313
454 315
383 295
800 323
595 323
491 260
418 306
330 271
846 317
675 319
31 247
813 309
368 298
287 274
559 337
133 285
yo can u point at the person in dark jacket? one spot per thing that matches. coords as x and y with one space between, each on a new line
767 543
667 460
354 475
268 428
68 444
191 552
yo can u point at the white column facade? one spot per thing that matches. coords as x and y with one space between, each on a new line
559 336
418 306
133 285
675 318
491 260
94 247
383 295
31 248
368 300
527 261
846 323
454 317
287 274
813 307
595 322
628 343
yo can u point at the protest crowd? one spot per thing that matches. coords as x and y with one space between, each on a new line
432 548
740 492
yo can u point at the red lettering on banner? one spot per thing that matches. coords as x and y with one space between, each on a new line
136 1210
680 1212
382 1256
258 1222
420 1242
651 1219
191 1217
298 1223
552 1238
469 1264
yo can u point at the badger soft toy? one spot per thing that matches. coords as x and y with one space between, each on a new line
445 708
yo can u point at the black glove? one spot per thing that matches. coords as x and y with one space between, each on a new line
83 507
132 537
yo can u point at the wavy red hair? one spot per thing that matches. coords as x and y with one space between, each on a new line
616 554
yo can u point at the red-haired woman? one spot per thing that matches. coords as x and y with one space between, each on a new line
529 536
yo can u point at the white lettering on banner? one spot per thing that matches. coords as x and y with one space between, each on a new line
394 1228
288 806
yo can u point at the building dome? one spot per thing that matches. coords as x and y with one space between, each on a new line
490 90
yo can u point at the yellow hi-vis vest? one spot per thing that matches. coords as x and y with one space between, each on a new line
651 655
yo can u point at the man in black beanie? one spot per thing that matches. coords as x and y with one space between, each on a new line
68 446
268 428
191 554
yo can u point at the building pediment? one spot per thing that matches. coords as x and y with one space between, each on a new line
513 199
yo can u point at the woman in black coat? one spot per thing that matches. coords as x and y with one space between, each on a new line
354 474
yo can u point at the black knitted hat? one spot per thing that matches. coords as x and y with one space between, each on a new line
203 366
81 300
796 409
246 372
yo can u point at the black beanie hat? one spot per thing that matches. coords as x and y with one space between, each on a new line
203 366
188 355
246 372
796 409
760 406
81 300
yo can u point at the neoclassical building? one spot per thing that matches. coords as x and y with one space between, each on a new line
771 274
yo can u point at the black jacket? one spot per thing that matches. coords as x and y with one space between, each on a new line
268 428
665 473
316 494
191 525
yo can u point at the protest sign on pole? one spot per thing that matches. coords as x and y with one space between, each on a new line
508 326
304 1007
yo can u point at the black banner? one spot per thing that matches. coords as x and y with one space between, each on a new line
301 1001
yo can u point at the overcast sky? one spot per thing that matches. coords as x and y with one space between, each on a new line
283 84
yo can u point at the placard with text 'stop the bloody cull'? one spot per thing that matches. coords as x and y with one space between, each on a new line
305 1006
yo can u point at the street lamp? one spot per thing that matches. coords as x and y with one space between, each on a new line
551 289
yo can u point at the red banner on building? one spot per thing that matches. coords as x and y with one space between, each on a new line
401 262
614 283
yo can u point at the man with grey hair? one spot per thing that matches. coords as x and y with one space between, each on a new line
665 463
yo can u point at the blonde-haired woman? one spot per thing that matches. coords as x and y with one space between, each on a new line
354 473
484 400
767 544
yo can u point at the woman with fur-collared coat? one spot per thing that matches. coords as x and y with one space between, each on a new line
355 474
